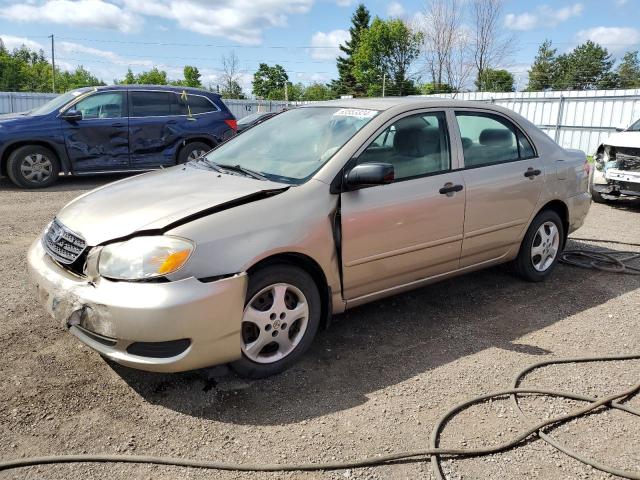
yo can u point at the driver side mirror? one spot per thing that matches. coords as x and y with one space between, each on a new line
72 115
367 174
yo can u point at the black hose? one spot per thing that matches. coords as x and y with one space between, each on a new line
418 455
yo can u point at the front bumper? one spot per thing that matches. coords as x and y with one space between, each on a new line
111 317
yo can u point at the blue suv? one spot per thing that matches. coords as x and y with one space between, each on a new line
118 128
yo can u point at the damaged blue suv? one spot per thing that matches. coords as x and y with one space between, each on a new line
117 128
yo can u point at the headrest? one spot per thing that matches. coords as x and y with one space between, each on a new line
416 143
496 137
466 142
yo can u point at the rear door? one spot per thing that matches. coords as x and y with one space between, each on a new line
100 141
411 229
154 128
503 177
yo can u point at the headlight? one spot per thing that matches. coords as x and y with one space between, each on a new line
144 257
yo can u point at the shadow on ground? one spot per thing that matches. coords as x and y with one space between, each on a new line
387 342
69 183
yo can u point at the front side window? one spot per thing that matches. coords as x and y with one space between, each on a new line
150 104
416 146
101 105
489 139
293 145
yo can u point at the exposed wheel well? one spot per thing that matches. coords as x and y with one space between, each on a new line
310 266
561 209
15 146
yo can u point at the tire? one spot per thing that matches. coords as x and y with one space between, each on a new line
597 197
192 150
33 166
531 265
271 338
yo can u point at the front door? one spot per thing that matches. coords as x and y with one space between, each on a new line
503 177
411 229
153 128
100 141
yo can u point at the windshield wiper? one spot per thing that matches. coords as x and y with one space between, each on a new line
241 169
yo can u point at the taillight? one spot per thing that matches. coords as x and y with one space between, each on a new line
233 124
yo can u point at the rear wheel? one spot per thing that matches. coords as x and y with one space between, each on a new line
541 247
192 151
280 319
33 166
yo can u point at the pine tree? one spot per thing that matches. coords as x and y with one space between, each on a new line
346 82
587 67
629 70
543 69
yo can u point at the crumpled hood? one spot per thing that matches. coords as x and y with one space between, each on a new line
157 199
624 139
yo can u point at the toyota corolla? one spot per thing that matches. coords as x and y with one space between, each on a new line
240 256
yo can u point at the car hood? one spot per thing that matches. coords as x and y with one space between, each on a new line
624 139
7 119
158 201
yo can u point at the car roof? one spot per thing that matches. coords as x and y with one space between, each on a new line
385 103
169 88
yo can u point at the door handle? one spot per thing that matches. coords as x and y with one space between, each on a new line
531 172
118 125
449 189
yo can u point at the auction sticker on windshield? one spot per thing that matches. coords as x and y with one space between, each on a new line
355 112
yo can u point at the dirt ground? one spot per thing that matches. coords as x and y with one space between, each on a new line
375 382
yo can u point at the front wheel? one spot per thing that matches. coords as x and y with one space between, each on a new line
541 247
33 166
280 319
192 151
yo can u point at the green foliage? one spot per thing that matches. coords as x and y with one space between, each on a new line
268 82
388 48
191 77
80 77
433 88
318 91
346 84
629 71
587 67
495 81
154 76
232 90
543 71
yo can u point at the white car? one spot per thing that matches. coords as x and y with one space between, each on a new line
617 163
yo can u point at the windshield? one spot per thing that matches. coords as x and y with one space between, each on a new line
251 118
56 103
293 145
635 127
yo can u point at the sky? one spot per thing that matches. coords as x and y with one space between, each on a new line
109 36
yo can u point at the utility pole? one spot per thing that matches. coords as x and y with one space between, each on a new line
384 82
286 92
53 63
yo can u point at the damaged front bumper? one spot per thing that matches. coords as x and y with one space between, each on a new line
617 172
163 327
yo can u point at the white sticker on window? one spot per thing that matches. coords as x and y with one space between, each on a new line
355 112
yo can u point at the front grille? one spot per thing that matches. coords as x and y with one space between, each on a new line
62 244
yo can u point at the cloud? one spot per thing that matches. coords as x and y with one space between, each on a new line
344 3
543 17
11 42
615 39
326 44
395 9
72 48
241 21
87 13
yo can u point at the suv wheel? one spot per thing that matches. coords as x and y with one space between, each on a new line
192 151
541 247
281 317
33 166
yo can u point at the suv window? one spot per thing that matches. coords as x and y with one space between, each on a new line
150 104
489 139
102 105
417 145
194 103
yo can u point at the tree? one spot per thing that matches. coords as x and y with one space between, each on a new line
387 49
318 91
489 45
268 82
80 77
495 81
231 76
191 77
152 77
346 82
435 88
629 71
542 74
587 67
129 78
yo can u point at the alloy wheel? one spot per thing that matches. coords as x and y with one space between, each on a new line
544 248
274 322
195 154
36 167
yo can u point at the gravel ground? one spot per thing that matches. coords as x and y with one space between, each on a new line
375 382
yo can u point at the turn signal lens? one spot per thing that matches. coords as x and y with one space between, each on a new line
174 261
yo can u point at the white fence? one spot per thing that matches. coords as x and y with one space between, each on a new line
575 119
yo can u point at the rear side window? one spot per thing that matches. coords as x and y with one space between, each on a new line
194 104
150 104
489 139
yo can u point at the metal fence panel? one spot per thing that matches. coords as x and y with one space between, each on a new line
22 101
